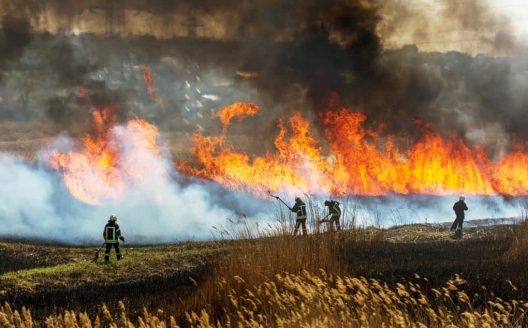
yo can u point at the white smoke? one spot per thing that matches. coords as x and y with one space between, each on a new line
34 202
394 210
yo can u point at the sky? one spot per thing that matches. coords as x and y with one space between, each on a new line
496 27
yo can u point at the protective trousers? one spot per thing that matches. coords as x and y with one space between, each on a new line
298 223
109 248
335 220
459 221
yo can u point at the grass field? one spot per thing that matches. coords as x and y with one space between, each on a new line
325 279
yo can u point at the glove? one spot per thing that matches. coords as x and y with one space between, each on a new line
122 238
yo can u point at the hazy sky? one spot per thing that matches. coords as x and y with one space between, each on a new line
497 27
488 26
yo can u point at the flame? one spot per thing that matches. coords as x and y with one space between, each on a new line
348 160
147 75
103 170
151 87
237 110
272 171
357 161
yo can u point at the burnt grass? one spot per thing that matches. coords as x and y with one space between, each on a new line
22 254
480 261
152 293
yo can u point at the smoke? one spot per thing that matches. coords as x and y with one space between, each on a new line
394 210
156 204
60 60
286 57
154 207
466 26
14 37
36 205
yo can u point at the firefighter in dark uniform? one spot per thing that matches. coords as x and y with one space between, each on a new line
334 213
112 235
460 207
300 209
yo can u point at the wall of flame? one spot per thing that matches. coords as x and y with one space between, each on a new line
356 162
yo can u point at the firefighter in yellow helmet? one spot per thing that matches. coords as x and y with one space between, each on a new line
300 209
112 235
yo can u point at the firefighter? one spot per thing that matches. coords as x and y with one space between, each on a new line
334 211
300 209
460 207
112 235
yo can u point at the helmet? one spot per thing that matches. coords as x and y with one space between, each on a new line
328 203
462 198
297 199
113 217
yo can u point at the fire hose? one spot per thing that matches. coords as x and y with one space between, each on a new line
324 219
279 199
96 256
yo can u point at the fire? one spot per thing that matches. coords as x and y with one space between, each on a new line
103 169
147 75
348 160
272 171
357 161
236 110
151 87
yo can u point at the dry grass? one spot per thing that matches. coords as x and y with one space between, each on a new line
25 139
519 247
285 281
313 300
423 233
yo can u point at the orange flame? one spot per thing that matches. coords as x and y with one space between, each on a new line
147 75
99 172
151 88
236 110
358 162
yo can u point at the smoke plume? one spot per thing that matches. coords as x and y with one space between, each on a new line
298 57
60 60
157 205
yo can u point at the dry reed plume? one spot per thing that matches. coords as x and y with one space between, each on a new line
313 300
519 247
285 281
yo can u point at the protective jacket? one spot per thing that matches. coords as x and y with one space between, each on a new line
334 208
300 209
111 233
459 208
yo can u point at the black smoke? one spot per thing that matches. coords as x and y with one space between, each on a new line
14 37
301 55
